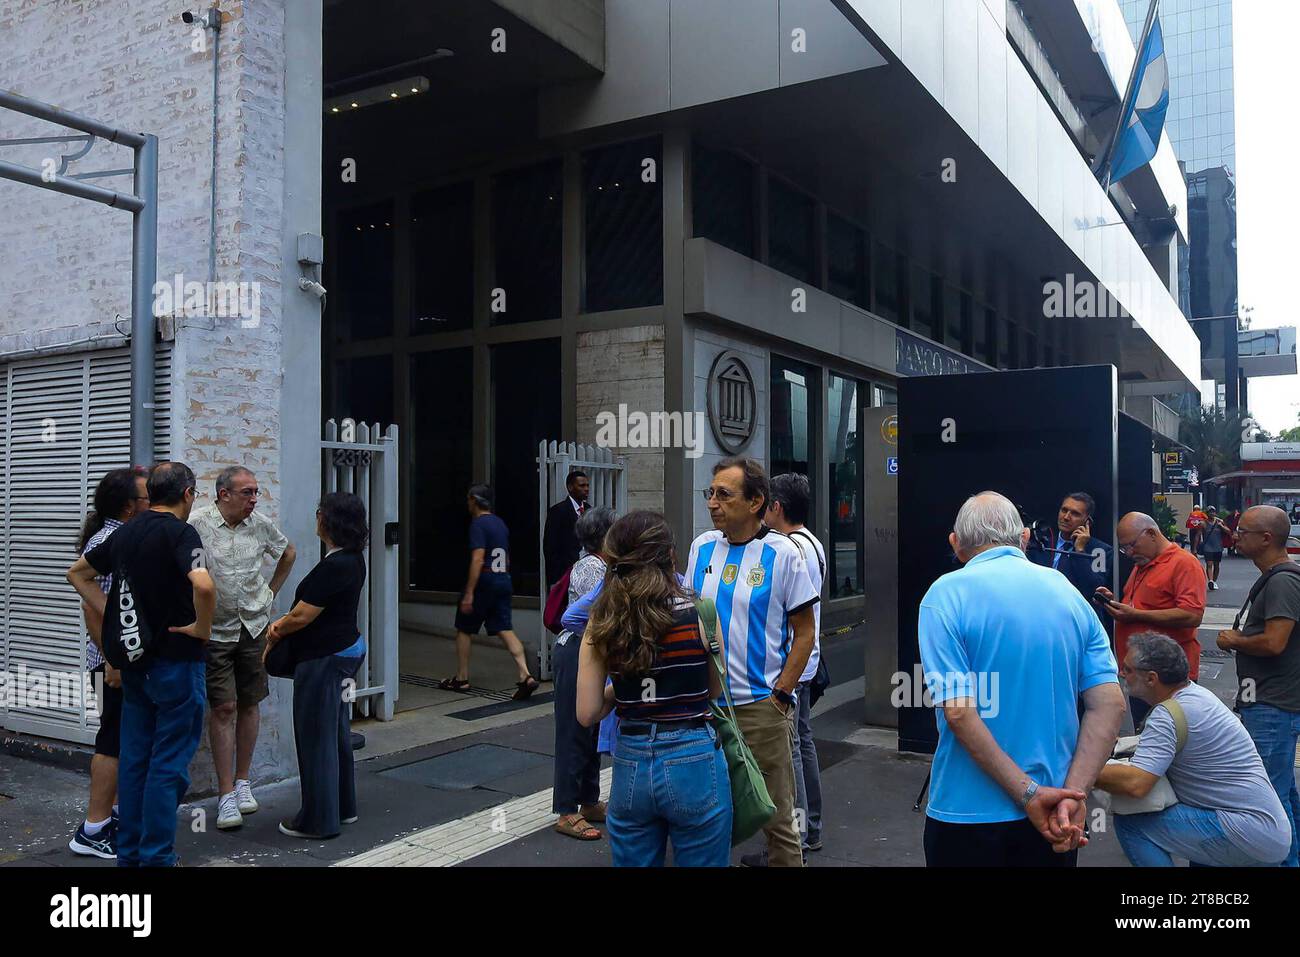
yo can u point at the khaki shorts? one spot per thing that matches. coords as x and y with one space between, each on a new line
235 671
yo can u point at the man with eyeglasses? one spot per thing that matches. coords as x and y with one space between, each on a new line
236 541
162 600
1165 593
1266 639
759 581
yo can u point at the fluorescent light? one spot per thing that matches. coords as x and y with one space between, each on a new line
383 93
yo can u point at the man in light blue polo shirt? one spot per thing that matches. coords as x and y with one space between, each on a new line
1008 647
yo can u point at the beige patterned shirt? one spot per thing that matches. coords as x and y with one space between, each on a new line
234 560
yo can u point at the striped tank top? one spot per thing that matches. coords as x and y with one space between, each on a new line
676 688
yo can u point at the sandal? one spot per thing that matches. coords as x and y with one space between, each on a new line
453 684
576 826
526 688
594 812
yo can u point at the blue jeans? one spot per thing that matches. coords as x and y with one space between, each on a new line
1153 840
1274 732
162 721
670 784
807 772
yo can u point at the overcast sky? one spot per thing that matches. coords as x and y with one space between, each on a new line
1268 191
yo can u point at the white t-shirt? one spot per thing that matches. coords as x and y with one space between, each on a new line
815 558
756 587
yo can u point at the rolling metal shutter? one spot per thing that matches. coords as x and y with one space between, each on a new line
66 422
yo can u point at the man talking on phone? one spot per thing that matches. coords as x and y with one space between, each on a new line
1077 554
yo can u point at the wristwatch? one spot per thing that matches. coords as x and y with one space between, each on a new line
1030 790
784 697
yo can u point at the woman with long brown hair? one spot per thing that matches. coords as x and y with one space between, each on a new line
670 774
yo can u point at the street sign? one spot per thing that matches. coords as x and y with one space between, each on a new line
891 465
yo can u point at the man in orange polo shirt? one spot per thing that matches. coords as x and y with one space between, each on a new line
1165 593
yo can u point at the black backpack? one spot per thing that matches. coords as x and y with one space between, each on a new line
128 639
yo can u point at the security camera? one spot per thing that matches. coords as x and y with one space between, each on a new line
315 288
208 19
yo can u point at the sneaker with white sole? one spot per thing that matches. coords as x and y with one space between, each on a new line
228 815
101 845
244 794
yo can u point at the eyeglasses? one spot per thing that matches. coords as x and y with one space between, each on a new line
1249 531
721 494
250 492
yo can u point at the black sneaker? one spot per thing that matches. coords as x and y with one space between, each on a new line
758 859
102 845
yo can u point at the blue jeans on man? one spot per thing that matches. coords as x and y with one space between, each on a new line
670 784
1180 830
1275 733
162 722
807 771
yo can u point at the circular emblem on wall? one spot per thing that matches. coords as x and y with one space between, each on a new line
889 430
732 402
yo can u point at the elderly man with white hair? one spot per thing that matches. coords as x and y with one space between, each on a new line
1008 647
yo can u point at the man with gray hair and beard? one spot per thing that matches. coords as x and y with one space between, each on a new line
1012 770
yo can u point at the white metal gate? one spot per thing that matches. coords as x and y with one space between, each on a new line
362 459
65 421
608 475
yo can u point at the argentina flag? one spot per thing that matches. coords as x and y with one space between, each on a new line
1139 135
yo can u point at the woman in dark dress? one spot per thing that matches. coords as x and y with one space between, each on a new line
328 650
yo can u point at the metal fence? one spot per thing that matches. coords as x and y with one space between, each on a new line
362 459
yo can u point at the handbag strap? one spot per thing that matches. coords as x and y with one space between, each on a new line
1258 587
707 613
1176 712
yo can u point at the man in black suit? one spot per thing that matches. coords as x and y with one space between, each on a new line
559 543
1078 555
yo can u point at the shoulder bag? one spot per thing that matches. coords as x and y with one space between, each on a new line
751 806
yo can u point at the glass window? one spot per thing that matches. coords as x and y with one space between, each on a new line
363 390
442 259
1009 349
846 261
525 410
986 335
844 461
528 218
362 305
791 420
722 193
957 318
623 220
887 288
438 468
926 320
885 395
792 225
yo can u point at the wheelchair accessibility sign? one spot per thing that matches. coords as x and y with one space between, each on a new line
891 465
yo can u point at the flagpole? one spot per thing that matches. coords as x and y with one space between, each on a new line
1129 95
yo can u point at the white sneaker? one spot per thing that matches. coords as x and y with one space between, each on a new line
244 794
228 815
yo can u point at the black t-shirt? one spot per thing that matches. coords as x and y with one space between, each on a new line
157 551
1276 678
335 586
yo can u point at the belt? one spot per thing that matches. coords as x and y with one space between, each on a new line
642 727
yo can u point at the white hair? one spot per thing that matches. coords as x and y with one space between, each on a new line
988 519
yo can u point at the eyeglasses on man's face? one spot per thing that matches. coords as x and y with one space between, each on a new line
721 494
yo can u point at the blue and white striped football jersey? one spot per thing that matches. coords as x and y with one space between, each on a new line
756 587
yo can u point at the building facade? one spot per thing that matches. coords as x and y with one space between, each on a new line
758 214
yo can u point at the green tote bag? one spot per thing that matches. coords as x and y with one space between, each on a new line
751 806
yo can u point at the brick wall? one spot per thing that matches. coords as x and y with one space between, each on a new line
66 263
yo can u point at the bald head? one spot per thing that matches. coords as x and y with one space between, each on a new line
1262 533
1138 536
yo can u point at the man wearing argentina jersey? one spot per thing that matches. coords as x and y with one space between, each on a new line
759 582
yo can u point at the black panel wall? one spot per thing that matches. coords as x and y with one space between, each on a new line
1032 435
1134 478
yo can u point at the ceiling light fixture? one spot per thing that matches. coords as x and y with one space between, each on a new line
380 93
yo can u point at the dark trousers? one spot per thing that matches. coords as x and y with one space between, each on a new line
577 763
162 721
1005 844
322 734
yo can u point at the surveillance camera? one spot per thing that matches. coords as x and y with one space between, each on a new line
315 288
204 19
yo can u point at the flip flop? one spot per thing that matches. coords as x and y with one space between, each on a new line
453 684
526 688
576 827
